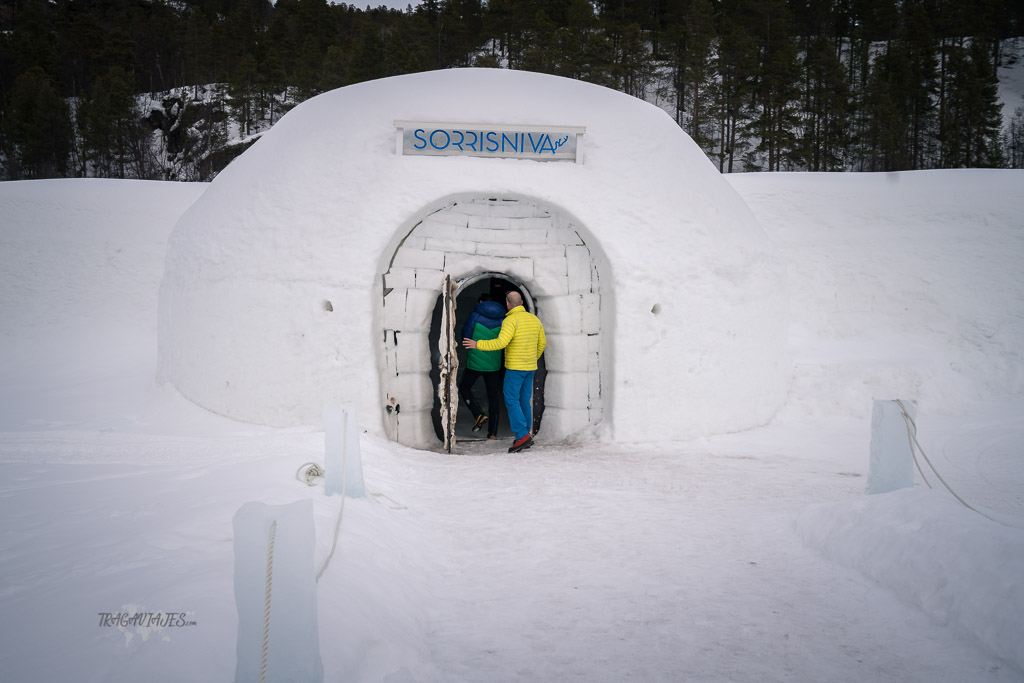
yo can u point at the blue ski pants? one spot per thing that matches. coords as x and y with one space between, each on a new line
519 400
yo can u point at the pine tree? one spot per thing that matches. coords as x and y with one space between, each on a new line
736 66
542 55
898 102
586 52
242 94
688 41
776 91
36 128
972 122
1013 138
826 109
635 69
112 131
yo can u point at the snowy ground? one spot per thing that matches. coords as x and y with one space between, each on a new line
745 557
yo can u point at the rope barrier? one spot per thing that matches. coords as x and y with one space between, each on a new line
912 437
312 472
266 603
341 511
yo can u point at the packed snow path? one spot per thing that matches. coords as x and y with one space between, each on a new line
564 563
608 565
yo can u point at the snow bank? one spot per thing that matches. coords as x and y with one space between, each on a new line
955 564
80 262
903 285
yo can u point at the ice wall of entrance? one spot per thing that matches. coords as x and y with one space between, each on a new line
538 247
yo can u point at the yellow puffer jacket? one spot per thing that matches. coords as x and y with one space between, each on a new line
522 337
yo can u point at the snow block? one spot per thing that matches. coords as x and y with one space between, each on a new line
431 228
529 235
567 390
394 309
591 313
593 381
472 208
578 270
502 249
543 250
892 462
459 245
560 422
461 266
412 352
549 277
532 223
561 314
404 278
390 354
419 308
416 429
489 222
413 391
418 258
487 235
293 654
507 209
566 352
342 458
549 266
456 217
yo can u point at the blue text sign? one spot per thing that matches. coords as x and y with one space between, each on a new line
539 143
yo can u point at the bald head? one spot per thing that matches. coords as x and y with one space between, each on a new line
513 299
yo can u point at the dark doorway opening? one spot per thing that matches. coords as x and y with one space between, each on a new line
496 286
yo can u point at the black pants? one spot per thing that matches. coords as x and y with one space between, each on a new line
492 380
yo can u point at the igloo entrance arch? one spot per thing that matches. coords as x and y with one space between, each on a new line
519 239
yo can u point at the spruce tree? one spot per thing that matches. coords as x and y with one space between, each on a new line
35 128
737 51
826 109
111 127
973 122
776 91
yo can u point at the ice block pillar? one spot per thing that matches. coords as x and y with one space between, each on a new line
275 594
892 460
342 461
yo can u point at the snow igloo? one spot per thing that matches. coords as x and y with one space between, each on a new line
312 270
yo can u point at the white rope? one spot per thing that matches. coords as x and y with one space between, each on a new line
912 435
266 603
341 510
310 474
314 470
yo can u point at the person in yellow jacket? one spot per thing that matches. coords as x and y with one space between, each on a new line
522 337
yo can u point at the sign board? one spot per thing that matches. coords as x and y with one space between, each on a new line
507 141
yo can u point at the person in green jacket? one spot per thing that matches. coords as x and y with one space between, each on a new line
522 337
483 323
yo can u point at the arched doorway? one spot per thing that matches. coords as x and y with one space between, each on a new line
495 286
486 243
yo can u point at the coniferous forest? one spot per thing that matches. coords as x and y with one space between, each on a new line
174 89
